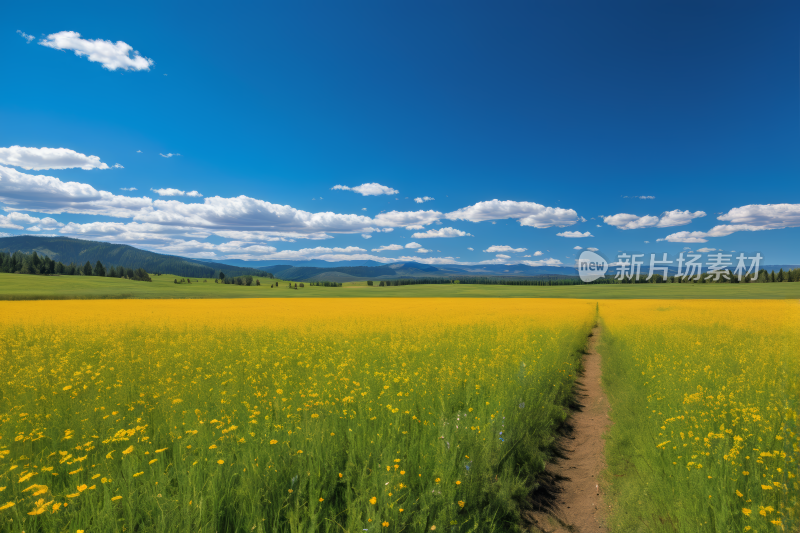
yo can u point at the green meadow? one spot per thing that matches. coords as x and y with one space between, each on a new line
27 287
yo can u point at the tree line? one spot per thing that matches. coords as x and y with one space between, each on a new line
33 263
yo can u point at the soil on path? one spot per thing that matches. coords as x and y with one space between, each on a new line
570 500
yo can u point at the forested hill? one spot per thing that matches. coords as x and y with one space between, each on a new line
68 250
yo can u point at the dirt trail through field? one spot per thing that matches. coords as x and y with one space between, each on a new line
570 500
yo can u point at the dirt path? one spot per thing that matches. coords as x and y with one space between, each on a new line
570 501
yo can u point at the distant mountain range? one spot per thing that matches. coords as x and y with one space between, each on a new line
67 250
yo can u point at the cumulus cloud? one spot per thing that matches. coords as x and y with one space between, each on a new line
388 248
16 220
504 248
471 249
768 216
574 234
268 236
31 158
25 36
238 250
367 189
716 231
168 155
423 199
366 235
754 217
668 219
46 194
132 232
408 219
413 245
422 250
526 213
127 188
706 250
502 256
537 253
441 233
112 56
578 248
593 249
168 192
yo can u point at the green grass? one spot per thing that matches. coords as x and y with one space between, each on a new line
25 287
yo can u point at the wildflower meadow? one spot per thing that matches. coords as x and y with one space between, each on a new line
280 415
705 397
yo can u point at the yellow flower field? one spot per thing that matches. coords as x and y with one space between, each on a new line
705 398
280 415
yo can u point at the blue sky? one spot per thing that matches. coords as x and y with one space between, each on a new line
645 127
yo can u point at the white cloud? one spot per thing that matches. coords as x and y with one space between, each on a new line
366 235
471 249
716 231
269 236
25 36
127 188
537 253
423 199
754 217
502 256
578 248
668 219
15 220
111 55
2 234
574 234
593 249
117 165
645 197
169 192
706 250
768 216
175 192
367 189
527 213
413 245
415 219
132 232
46 194
504 248
167 155
388 248
415 227
48 158
422 250
441 232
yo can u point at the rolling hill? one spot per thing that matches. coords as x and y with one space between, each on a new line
78 251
